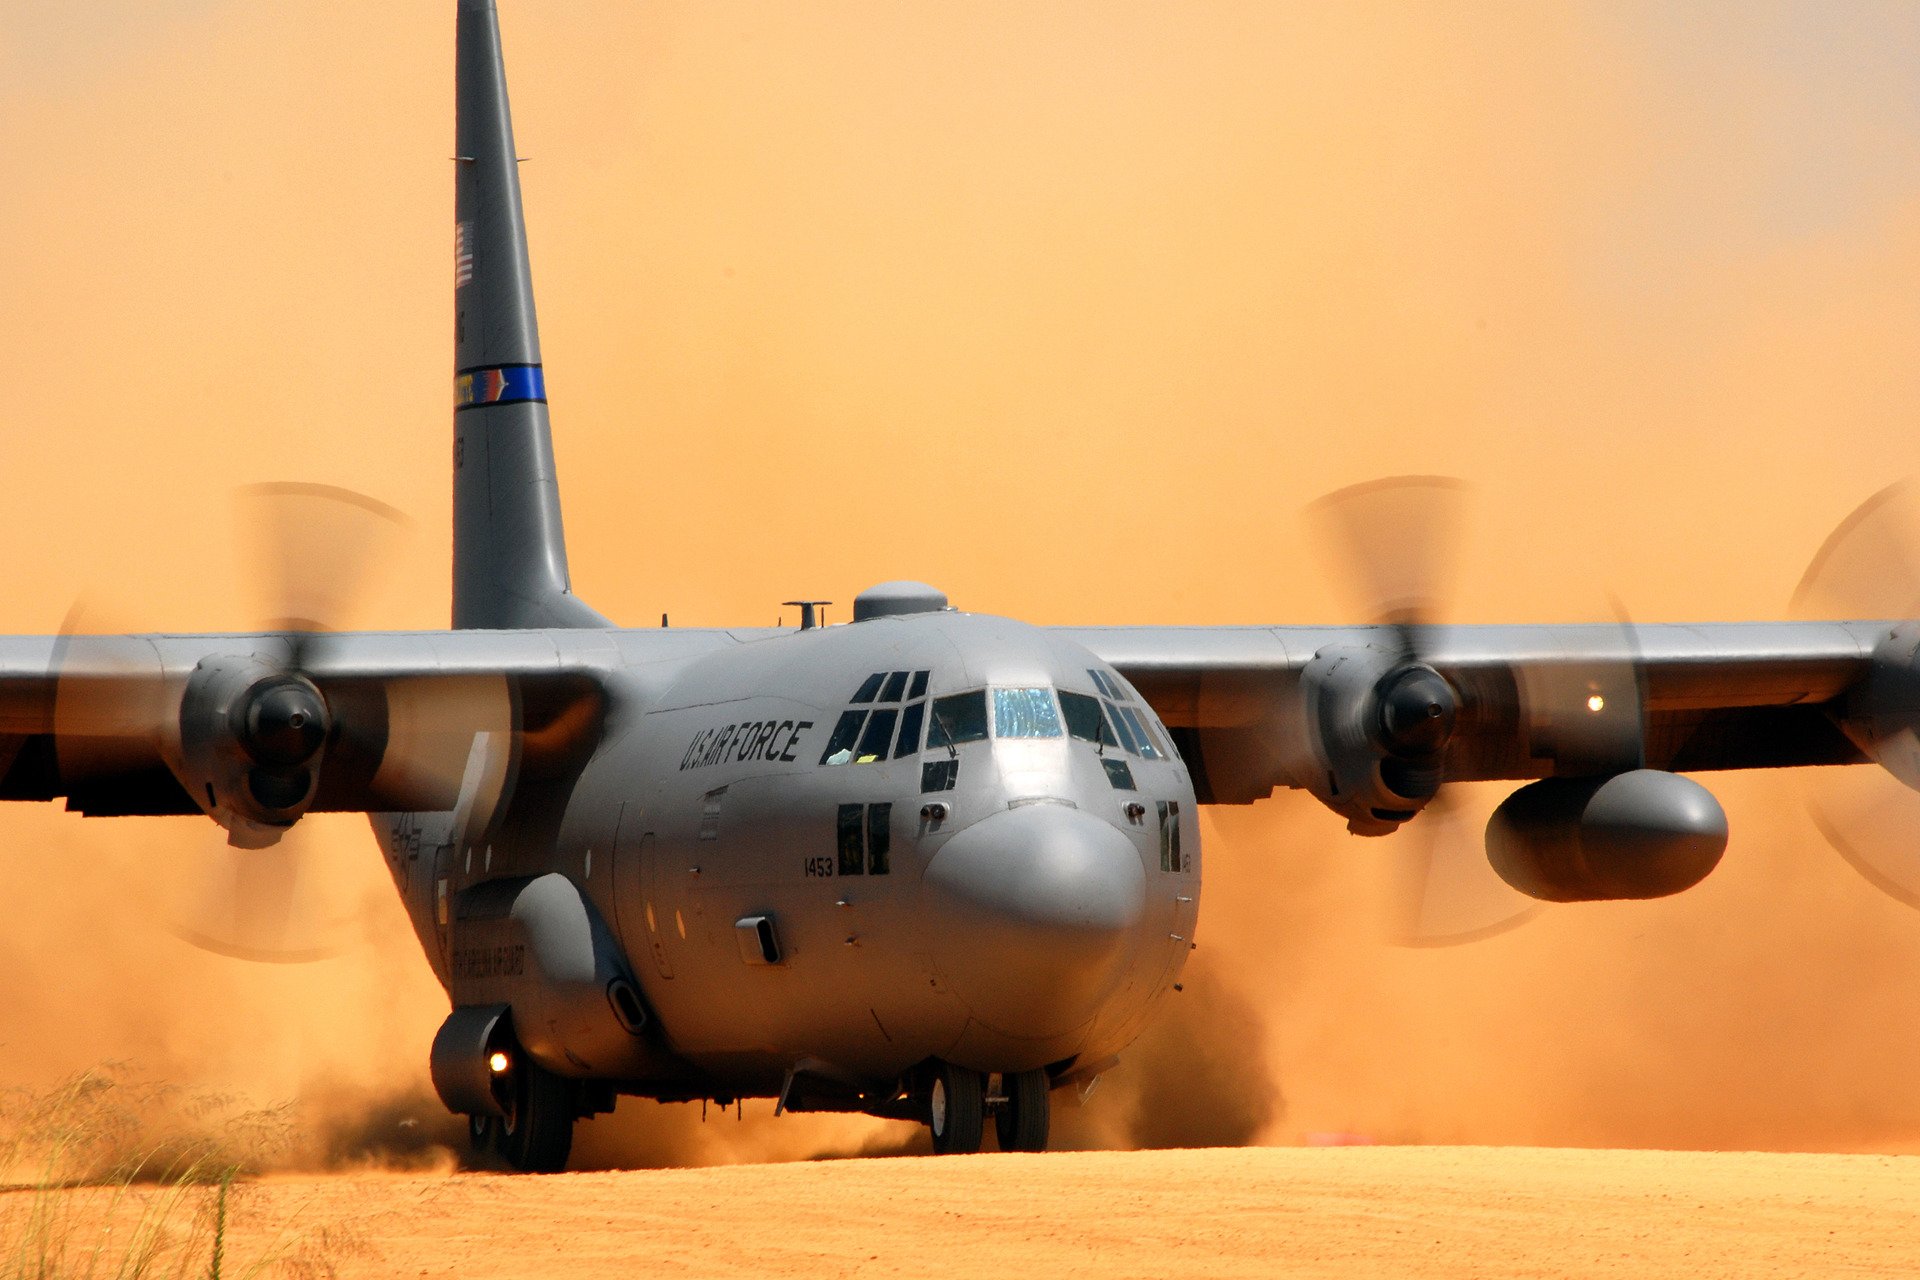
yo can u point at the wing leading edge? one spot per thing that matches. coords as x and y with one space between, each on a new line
96 720
1711 696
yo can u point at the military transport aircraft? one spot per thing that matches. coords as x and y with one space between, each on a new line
923 864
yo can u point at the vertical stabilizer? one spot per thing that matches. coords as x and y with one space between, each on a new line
509 550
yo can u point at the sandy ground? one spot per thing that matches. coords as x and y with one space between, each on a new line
1347 1212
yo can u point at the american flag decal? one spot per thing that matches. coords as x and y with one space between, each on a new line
499 384
462 253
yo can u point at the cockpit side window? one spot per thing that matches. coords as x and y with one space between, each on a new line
1025 713
910 719
840 745
1120 727
1147 747
877 741
876 745
958 718
1084 720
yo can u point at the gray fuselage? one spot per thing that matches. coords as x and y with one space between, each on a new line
1006 879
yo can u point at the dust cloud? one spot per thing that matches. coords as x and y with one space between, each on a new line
1065 310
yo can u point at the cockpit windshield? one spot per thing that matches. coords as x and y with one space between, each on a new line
1025 713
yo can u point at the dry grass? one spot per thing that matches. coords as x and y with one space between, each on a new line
104 1176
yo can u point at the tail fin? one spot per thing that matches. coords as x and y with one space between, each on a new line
509 549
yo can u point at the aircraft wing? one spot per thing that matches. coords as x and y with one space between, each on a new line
1255 708
160 724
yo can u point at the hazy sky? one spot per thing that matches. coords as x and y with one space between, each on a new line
1067 308
834 293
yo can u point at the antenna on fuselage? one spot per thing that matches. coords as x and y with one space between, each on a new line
808 618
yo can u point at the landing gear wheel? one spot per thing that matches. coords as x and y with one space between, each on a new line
480 1135
537 1131
956 1110
1021 1121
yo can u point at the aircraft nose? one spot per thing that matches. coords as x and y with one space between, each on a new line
1036 908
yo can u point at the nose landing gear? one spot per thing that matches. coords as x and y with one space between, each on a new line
956 1106
956 1109
1020 1121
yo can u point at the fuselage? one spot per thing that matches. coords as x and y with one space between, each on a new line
860 847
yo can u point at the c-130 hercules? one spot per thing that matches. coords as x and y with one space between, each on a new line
928 864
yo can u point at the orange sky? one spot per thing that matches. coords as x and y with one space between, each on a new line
1067 308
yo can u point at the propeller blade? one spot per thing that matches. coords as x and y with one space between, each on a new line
270 906
1586 709
1441 890
313 553
1869 817
1868 568
1398 540
108 698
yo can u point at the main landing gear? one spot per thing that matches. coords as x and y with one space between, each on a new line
536 1133
956 1105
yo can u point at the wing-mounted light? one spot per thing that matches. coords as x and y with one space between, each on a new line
248 744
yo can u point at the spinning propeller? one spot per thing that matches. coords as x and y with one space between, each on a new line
1386 720
250 730
1869 568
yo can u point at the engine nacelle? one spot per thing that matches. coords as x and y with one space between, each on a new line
1642 834
1883 714
1377 723
247 746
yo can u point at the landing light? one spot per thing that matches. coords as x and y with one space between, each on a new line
1596 703
498 1062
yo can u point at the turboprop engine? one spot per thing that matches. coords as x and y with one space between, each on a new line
247 746
1380 722
1883 715
1640 834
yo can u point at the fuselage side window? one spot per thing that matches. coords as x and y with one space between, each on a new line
879 837
848 844
1025 713
958 718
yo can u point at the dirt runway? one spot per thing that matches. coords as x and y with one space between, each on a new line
1350 1212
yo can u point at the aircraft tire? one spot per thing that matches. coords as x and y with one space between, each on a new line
956 1110
536 1135
1021 1121
480 1136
